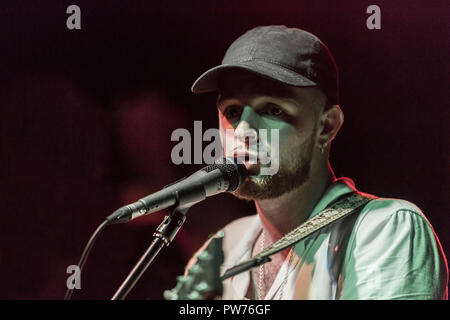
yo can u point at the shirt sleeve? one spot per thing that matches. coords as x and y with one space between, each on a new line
393 253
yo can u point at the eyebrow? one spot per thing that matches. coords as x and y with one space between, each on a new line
292 107
220 101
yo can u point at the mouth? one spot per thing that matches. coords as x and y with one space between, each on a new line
246 156
250 159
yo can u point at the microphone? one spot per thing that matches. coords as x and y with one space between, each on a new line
226 174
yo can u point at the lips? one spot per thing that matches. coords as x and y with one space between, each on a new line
249 158
246 155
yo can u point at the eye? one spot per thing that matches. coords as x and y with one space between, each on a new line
273 110
232 112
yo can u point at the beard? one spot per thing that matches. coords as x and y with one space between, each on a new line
293 171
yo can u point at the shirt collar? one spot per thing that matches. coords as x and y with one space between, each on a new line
242 252
339 187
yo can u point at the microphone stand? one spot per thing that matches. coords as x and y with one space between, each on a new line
163 236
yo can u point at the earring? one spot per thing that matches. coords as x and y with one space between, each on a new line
322 147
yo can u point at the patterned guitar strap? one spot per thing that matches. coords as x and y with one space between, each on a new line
343 207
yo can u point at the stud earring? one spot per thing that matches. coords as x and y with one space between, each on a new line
322 147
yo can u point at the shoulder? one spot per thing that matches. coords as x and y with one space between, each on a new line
235 230
391 205
383 221
393 214
394 254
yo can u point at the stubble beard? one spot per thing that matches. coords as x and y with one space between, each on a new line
293 171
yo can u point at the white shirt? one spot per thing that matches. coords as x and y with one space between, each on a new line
392 253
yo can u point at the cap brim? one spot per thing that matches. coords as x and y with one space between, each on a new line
208 81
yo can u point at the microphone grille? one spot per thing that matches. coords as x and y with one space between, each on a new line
233 171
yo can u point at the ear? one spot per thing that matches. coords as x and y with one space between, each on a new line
331 121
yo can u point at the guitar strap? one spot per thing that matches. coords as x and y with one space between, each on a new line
338 242
342 207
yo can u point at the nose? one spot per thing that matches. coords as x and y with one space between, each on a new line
248 125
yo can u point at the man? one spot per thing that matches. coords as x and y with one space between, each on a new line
285 79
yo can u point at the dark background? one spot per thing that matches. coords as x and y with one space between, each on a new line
86 117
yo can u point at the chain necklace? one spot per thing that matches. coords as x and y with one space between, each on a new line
261 271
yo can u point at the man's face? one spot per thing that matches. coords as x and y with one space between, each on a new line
250 103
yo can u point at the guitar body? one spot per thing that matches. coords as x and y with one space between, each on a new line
202 279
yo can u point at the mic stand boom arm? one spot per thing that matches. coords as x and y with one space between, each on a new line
163 236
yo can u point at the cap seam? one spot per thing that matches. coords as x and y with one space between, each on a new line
277 63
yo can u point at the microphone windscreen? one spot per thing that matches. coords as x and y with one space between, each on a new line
232 169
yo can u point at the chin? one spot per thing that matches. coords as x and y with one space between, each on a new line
256 188
253 169
263 187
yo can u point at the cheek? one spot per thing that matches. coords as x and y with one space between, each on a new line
297 133
287 140
291 142
280 133
224 123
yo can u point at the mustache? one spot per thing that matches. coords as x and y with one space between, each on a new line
251 155
244 151
257 147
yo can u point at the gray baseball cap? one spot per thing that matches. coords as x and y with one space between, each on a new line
288 55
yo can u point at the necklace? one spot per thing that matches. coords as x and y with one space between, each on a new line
283 285
261 271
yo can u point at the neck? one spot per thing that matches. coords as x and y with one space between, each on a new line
283 214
